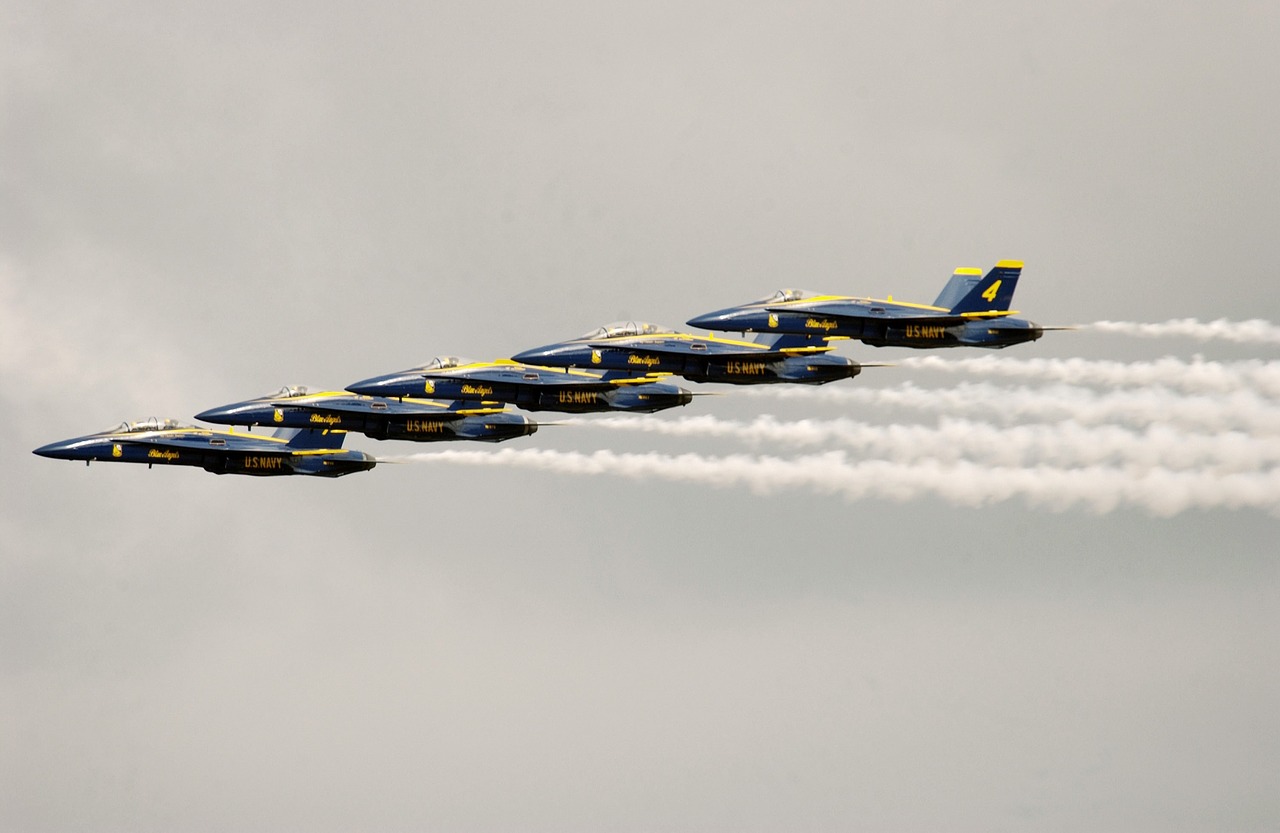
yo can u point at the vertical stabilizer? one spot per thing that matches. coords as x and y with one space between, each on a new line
968 291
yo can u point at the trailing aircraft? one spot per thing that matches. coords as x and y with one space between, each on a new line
639 347
971 311
419 420
169 442
526 386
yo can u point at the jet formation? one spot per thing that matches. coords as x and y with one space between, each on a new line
620 367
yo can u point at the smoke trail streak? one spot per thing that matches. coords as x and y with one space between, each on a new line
1242 410
1190 376
1064 444
1253 331
1097 488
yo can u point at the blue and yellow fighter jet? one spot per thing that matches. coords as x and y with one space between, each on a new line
640 347
529 387
169 442
972 311
419 420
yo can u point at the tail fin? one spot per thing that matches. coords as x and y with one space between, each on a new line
310 438
971 291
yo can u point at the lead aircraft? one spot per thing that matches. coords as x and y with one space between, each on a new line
972 311
170 443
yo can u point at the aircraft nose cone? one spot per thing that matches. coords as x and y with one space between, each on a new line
219 415
729 318
707 321
532 355
57 451
685 397
376 385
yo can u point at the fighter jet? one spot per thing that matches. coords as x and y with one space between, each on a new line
637 346
529 387
169 442
972 311
420 420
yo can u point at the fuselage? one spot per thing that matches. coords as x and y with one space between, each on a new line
416 420
168 442
875 322
526 386
646 348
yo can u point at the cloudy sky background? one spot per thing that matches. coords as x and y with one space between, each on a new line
202 204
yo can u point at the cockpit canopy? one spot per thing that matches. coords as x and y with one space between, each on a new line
785 295
148 424
621 329
290 392
446 362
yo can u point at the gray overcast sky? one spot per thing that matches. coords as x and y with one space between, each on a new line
202 203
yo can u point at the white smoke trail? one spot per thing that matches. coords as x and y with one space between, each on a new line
1253 331
1097 488
1196 376
1240 411
1063 444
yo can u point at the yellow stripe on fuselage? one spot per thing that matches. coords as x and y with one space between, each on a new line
505 363
639 342
877 301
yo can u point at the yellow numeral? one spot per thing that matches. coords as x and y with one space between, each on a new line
990 294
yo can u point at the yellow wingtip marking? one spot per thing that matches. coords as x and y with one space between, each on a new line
968 270
1009 264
